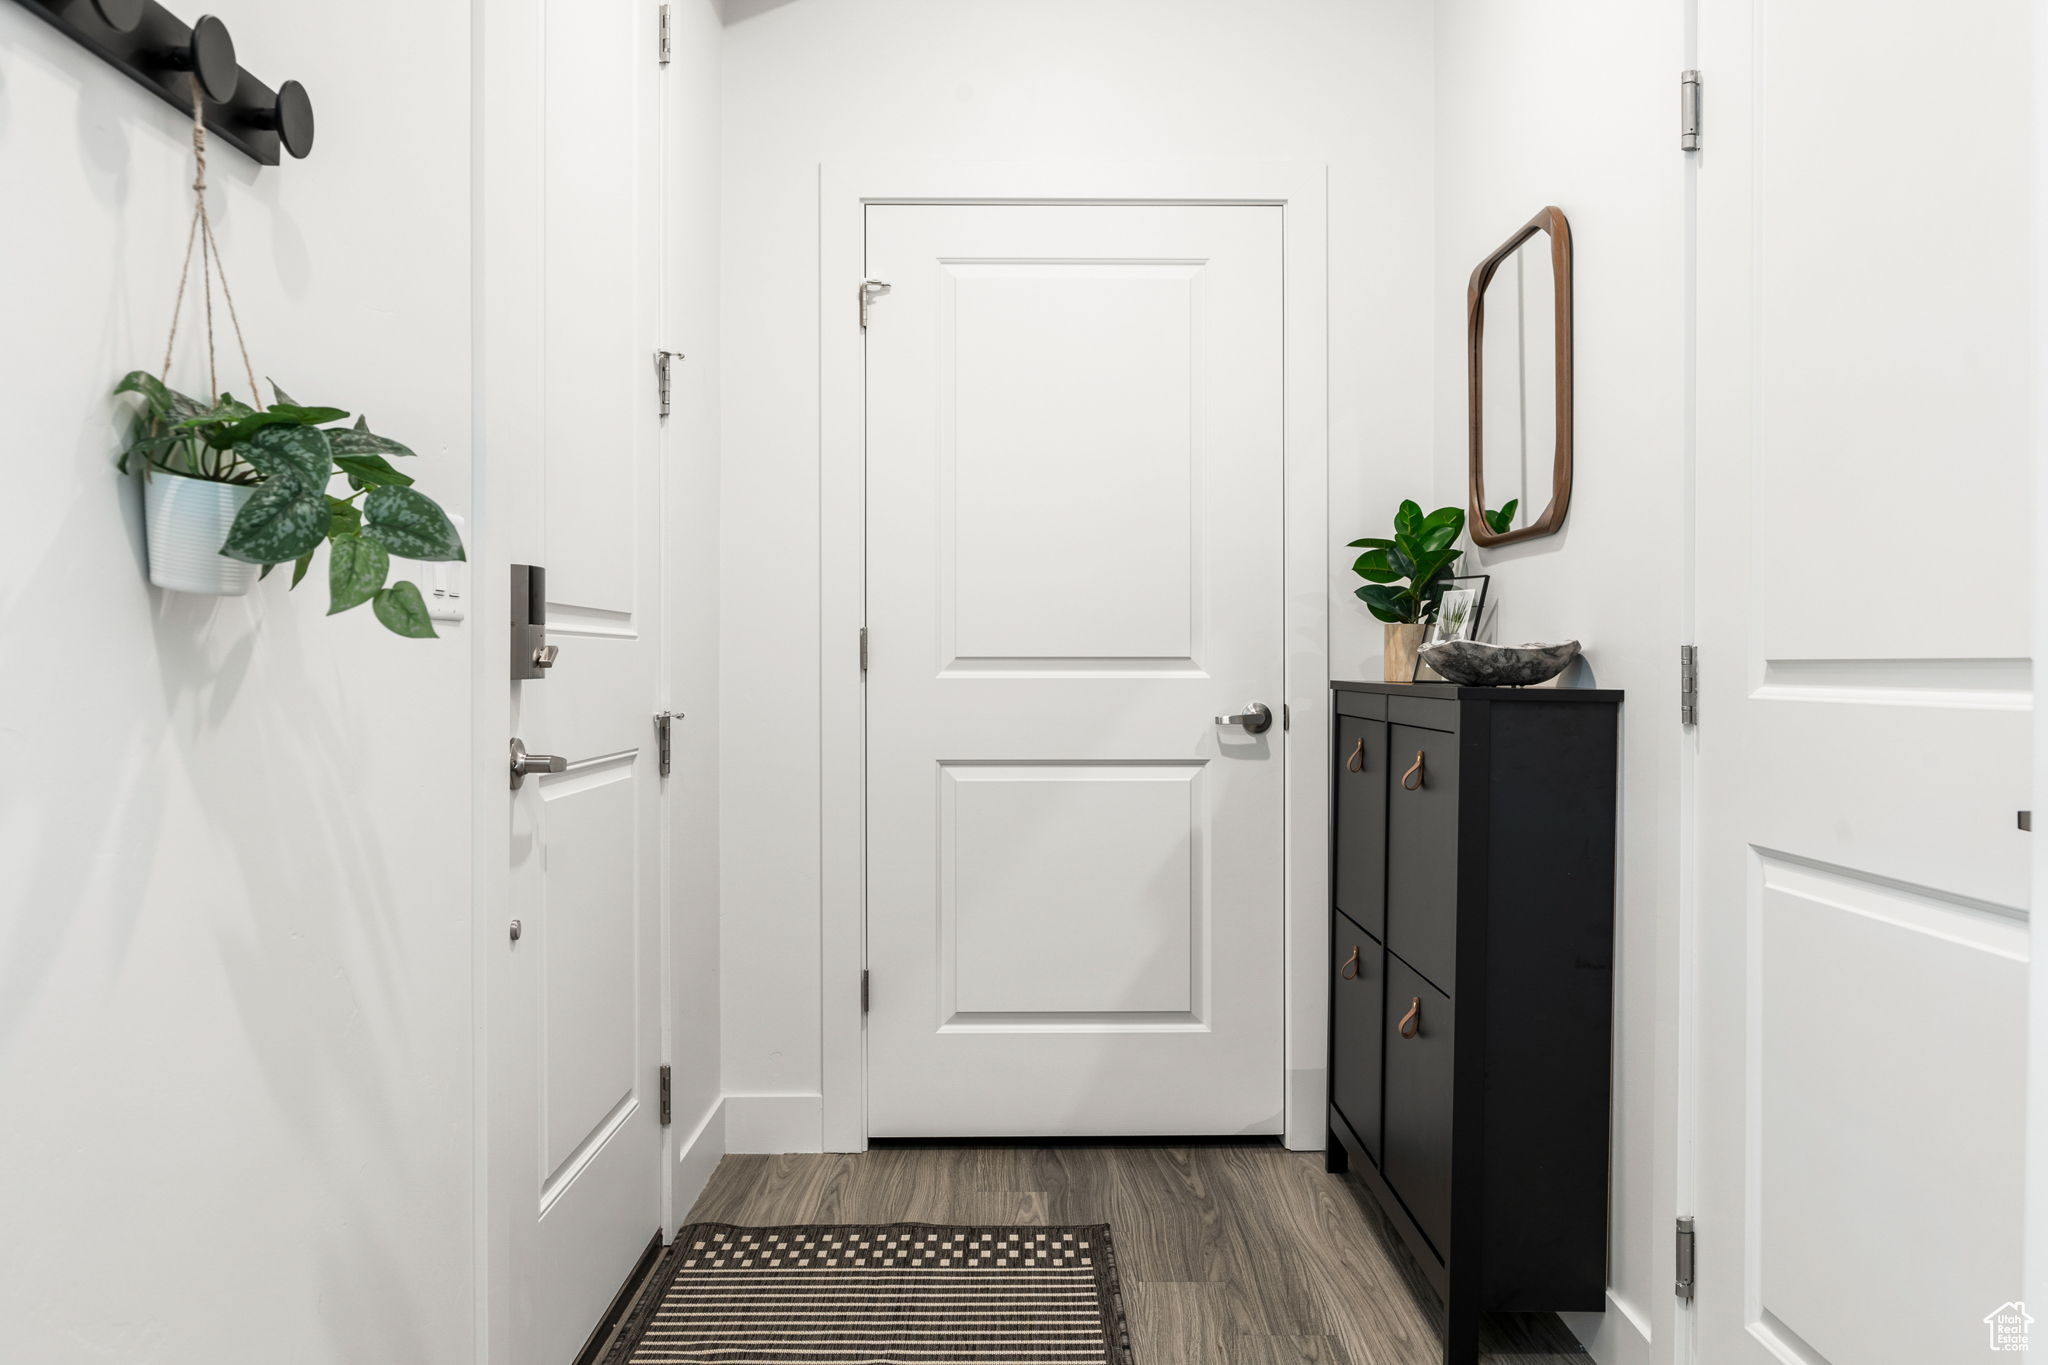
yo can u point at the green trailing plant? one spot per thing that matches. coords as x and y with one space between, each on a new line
1405 577
291 454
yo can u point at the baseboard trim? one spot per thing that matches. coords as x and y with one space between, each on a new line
761 1124
1619 1336
697 1156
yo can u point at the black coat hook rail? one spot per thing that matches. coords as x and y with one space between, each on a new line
162 53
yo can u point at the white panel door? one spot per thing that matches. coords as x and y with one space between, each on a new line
1074 566
570 457
1863 565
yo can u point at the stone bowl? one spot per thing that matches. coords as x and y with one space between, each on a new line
1481 665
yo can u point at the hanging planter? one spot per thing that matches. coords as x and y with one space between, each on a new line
186 521
231 491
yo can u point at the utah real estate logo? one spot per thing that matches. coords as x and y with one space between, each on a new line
2007 1325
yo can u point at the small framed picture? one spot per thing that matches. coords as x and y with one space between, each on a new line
1460 611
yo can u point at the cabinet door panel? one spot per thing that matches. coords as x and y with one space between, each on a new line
1361 822
1358 989
1422 851
1417 1122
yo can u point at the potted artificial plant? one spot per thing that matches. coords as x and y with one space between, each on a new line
1406 576
232 491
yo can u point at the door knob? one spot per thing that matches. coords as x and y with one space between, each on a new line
524 763
1255 718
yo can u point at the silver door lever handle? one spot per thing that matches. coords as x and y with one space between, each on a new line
1256 719
524 763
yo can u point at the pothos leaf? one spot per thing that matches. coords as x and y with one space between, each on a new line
291 454
163 400
346 519
410 524
282 520
370 471
403 611
360 440
299 567
283 414
356 570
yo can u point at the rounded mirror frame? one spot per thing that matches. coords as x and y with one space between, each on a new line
1550 220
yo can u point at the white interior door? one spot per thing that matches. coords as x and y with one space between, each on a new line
1074 566
1863 738
573 486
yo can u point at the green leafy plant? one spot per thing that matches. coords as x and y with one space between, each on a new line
1405 577
291 454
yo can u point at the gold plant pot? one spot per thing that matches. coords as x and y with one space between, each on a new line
1402 642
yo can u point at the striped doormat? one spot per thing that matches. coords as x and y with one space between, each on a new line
899 1294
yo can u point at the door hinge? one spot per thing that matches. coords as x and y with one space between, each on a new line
868 289
863 990
667 1092
1688 684
664 722
1688 111
1686 1251
662 389
863 649
661 32
1286 716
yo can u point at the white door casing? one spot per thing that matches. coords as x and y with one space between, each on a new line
1074 565
1865 718
571 480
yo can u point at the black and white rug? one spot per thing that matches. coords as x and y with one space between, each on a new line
898 1294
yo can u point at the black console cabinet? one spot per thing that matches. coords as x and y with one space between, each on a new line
1471 984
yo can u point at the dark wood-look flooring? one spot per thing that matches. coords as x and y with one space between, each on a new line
1229 1253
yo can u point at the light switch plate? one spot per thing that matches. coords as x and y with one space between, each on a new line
446 583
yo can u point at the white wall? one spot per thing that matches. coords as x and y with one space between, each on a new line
235 955
691 472
1575 106
839 82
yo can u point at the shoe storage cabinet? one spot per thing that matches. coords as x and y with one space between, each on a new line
1471 984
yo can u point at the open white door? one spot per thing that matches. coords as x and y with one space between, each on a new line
1074 568
567 219
1864 732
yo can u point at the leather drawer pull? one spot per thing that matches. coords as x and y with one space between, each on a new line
1356 763
1350 969
1411 1022
1412 779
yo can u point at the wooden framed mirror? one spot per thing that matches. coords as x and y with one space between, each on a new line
1521 381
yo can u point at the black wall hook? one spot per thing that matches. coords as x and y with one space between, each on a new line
162 53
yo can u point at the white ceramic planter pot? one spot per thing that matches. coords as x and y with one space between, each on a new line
187 521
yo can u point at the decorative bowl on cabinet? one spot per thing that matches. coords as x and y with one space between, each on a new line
1475 664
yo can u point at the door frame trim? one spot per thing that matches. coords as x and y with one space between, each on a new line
1300 191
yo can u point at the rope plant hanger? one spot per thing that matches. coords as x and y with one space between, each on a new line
199 236
251 485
